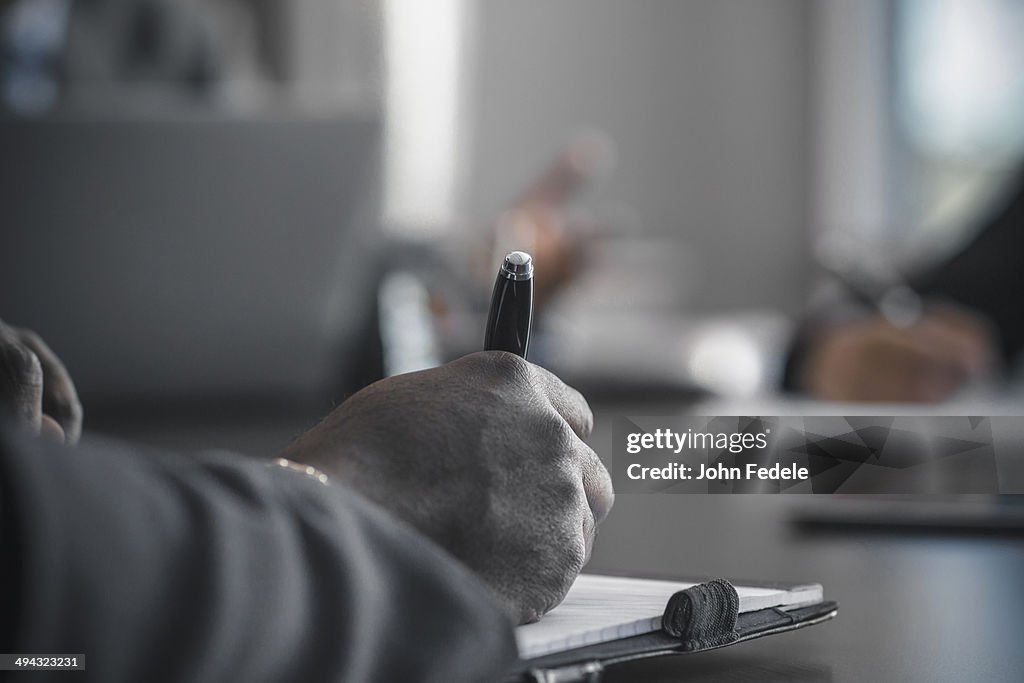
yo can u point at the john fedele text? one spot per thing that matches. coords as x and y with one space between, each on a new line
736 442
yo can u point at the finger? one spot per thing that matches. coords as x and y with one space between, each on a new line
597 483
567 402
60 398
21 381
580 161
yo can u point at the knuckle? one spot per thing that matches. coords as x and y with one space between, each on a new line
586 417
506 367
561 437
511 367
597 485
28 335
575 557
21 363
601 498
566 492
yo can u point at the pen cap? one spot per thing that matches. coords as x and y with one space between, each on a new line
518 265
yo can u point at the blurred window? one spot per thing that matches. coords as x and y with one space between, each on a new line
958 68
311 57
32 34
424 46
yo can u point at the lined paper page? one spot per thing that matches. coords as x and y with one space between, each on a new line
603 608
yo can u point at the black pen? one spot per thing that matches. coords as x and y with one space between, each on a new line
511 314
878 287
894 300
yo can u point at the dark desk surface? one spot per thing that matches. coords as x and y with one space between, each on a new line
912 607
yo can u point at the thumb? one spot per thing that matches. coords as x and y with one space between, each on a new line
51 430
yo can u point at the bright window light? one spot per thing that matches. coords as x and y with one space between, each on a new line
962 66
424 48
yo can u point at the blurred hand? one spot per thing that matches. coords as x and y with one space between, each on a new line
35 386
539 222
873 360
486 457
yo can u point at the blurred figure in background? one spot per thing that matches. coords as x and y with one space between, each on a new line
972 324
540 221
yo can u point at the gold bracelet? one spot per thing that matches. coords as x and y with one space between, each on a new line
308 470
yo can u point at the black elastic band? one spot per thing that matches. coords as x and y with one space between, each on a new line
704 615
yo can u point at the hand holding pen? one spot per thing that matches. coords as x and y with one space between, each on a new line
904 350
485 456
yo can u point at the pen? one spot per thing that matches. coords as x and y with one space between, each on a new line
511 315
882 290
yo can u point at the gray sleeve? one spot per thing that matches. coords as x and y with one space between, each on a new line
218 568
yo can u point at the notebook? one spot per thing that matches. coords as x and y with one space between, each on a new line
608 620
598 609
